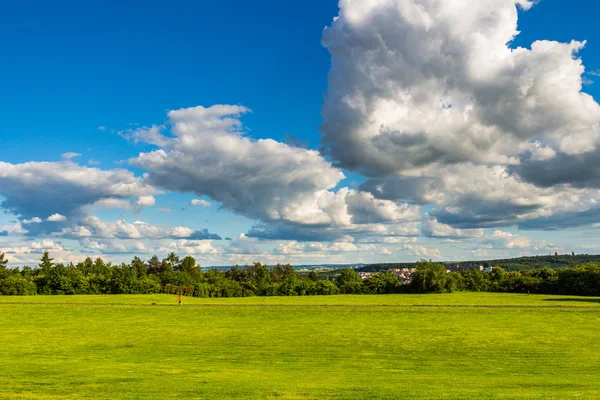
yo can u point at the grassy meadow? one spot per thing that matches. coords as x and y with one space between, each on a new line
463 345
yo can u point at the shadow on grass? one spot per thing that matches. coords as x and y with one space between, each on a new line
577 300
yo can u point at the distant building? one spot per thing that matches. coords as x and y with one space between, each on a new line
404 274
366 275
458 267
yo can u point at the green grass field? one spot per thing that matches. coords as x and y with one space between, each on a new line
336 347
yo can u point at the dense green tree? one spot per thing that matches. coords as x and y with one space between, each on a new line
583 280
430 277
237 274
100 267
382 283
27 271
349 281
325 287
154 265
61 279
139 266
187 264
259 278
17 285
280 273
171 263
472 280
86 266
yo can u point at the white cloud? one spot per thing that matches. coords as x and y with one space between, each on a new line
296 248
56 218
65 188
46 245
34 220
70 155
416 83
113 246
289 189
92 226
146 201
432 228
101 128
185 247
428 99
14 229
200 203
511 241
422 251
112 203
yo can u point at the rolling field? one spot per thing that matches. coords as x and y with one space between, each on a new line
464 345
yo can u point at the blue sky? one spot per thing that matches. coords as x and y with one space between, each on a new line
87 77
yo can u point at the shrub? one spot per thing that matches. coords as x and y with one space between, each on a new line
16 285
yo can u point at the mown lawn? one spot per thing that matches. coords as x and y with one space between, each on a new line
337 347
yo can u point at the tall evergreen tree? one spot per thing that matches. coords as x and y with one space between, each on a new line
46 262
139 266
154 265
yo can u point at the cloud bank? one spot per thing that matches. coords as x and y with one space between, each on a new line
429 100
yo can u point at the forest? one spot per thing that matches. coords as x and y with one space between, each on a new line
173 275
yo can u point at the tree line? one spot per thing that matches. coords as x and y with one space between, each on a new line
581 280
555 261
173 275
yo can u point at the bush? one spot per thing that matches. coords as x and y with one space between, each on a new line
323 288
382 283
16 285
579 281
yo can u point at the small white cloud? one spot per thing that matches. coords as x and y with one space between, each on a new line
164 210
101 128
70 155
181 232
143 201
146 201
501 234
56 218
200 203
81 231
385 251
34 220
15 229
112 203
94 162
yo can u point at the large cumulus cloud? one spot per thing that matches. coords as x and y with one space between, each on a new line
429 100
290 191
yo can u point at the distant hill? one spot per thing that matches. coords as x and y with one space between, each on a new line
303 267
510 264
